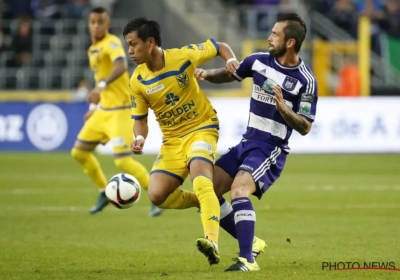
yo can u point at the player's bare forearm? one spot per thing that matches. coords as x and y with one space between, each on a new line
141 128
219 76
120 67
225 51
297 122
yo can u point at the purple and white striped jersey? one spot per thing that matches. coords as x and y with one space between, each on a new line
300 92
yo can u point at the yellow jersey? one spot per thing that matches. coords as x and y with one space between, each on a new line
101 57
180 106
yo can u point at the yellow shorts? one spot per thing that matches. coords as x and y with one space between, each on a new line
176 154
109 125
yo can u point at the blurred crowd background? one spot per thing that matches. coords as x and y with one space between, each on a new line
43 43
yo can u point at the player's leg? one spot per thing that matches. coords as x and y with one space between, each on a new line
168 173
225 170
88 138
121 137
259 170
201 147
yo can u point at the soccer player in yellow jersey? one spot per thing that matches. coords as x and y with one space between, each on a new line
111 121
164 82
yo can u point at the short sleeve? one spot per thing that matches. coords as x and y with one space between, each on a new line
201 53
116 50
139 106
307 105
245 69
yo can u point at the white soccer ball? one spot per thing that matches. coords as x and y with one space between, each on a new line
123 191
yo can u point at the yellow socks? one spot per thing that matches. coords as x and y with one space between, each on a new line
90 166
179 199
129 165
209 205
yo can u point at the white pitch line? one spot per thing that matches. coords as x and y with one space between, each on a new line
333 207
145 208
47 191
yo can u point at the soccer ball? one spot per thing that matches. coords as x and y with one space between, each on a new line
123 191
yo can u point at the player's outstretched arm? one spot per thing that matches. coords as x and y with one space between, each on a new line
140 130
216 76
297 122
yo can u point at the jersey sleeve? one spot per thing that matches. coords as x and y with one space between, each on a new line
139 106
201 53
115 49
307 106
245 69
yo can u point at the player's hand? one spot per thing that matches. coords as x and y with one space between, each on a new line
94 95
200 74
137 146
279 102
231 66
88 114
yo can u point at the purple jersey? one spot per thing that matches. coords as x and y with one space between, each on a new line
300 93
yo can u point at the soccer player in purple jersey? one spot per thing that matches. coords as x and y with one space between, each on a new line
284 97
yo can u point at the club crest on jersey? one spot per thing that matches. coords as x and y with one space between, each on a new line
183 80
267 86
289 83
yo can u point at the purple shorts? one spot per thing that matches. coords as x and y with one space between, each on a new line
264 161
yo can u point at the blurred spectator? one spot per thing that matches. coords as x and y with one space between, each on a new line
17 9
321 6
21 44
108 4
342 14
77 9
2 42
391 20
349 78
46 12
82 90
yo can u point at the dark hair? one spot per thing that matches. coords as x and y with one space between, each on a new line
145 29
99 10
295 29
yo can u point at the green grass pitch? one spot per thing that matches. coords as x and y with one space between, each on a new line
332 208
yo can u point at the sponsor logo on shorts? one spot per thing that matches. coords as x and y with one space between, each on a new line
118 141
159 157
202 145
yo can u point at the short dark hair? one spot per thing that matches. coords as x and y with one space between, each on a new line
99 10
145 29
295 29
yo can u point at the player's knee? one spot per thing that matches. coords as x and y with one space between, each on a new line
156 198
79 155
202 184
243 185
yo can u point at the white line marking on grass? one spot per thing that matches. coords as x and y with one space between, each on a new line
332 207
65 208
343 188
47 191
